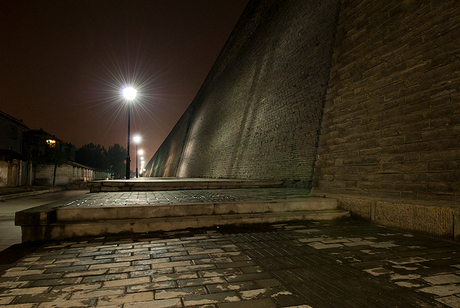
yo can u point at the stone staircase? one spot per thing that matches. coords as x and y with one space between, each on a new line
130 211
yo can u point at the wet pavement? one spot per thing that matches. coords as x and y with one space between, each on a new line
304 264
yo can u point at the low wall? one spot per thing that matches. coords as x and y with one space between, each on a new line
66 174
432 218
3 173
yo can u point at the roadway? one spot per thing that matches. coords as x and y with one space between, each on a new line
11 234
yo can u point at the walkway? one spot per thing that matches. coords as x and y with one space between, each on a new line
307 264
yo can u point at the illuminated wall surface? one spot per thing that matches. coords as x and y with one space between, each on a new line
356 97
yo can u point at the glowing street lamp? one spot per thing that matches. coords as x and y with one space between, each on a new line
137 139
141 152
142 161
129 93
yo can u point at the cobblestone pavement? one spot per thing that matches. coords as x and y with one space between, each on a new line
308 264
114 199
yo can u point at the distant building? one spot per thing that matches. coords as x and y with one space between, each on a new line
37 141
11 137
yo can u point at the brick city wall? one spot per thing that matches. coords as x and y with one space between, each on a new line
258 114
166 160
391 121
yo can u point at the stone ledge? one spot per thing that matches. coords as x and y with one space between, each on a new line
440 219
62 230
43 214
89 213
177 184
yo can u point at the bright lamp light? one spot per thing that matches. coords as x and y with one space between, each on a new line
129 93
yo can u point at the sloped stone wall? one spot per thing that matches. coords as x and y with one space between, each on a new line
258 114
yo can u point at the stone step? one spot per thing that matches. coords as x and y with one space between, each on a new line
65 229
158 184
94 213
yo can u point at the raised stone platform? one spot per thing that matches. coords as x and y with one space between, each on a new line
105 213
156 184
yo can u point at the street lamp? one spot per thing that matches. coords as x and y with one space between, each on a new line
141 152
142 161
129 93
137 139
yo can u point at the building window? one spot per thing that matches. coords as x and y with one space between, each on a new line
51 143
14 132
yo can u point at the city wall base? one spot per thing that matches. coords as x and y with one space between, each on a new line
439 219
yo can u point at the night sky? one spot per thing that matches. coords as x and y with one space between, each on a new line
63 62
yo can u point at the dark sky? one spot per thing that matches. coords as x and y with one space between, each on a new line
63 62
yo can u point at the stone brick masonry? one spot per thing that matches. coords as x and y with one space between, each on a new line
258 113
392 118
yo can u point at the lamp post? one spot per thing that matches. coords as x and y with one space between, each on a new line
137 139
129 93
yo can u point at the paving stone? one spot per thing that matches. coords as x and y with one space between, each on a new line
77 287
157 264
55 282
5 300
74 268
151 286
68 303
251 269
162 303
261 303
105 278
200 281
451 301
39 298
248 277
442 290
40 277
195 268
267 283
125 298
109 265
126 282
152 273
442 279
211 298
129 269
184 256
237 286
90 261
179 292
112 256
219 272
22 272
22 306
96 293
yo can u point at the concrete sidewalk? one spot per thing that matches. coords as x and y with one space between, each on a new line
7 193
303 264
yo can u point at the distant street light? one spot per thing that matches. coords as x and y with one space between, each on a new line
137 139
142 161
129 93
